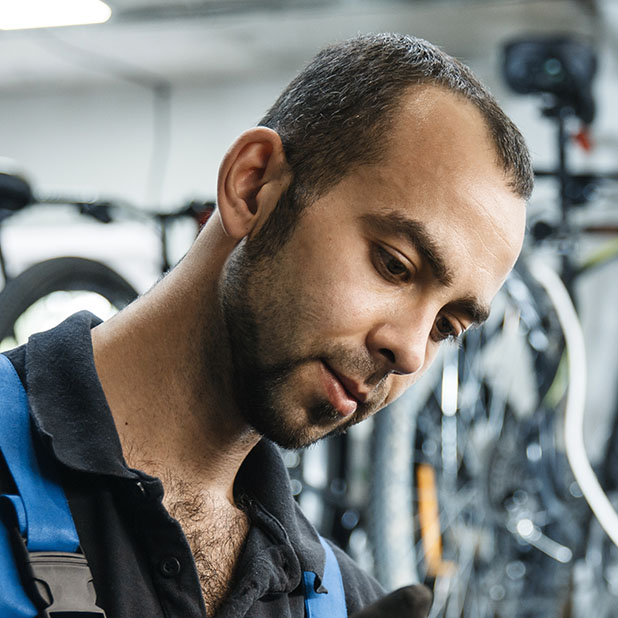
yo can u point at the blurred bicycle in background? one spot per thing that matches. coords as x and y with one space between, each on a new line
50 290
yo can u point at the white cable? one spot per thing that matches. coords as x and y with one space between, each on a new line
576 396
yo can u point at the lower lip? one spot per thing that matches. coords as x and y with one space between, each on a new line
339 398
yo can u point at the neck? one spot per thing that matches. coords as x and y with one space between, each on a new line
161 363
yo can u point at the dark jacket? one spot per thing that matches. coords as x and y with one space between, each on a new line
140 559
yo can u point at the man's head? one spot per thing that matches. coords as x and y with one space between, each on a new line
338 113
363 232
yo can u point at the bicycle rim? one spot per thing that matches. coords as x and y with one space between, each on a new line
48 292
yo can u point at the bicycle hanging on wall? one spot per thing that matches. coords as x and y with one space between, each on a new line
72 282
472 491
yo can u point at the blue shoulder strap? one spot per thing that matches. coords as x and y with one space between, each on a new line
39 511
48 521
330 604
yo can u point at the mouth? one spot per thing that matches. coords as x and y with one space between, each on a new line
352 387
343 393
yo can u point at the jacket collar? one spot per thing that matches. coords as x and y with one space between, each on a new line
70 410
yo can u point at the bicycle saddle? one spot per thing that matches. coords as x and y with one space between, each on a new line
560 66
15 192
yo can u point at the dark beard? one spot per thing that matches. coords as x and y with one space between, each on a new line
255 385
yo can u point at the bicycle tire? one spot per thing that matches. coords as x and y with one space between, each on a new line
63 274
404 436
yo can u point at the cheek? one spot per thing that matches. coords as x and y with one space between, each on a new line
340 294
347 310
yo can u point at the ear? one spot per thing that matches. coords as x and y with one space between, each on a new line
253 175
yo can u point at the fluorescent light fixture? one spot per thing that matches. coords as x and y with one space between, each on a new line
22 14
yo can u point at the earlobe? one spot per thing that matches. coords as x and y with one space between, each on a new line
253 175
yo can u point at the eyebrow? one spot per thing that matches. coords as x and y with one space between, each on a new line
415 232
476 312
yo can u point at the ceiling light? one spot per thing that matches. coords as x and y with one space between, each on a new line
22 14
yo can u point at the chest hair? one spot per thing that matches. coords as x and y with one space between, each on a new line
216 531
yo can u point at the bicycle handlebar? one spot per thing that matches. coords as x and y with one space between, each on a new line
16 194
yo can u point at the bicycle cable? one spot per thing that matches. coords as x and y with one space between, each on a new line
574 415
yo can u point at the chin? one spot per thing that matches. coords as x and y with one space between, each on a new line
300 430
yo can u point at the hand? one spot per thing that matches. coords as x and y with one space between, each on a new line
408 602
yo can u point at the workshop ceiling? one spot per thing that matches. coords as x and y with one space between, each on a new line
166 42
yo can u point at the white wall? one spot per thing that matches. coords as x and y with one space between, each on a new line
102 139
100 142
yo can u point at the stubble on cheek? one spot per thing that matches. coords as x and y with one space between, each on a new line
280 330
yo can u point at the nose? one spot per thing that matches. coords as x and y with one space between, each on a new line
400 349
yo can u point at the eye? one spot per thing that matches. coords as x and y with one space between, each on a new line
390 267
446 330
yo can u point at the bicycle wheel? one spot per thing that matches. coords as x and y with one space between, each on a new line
471 493
48 292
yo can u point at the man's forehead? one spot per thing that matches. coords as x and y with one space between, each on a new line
441 152
431 116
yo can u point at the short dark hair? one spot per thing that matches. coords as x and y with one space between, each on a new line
334 115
